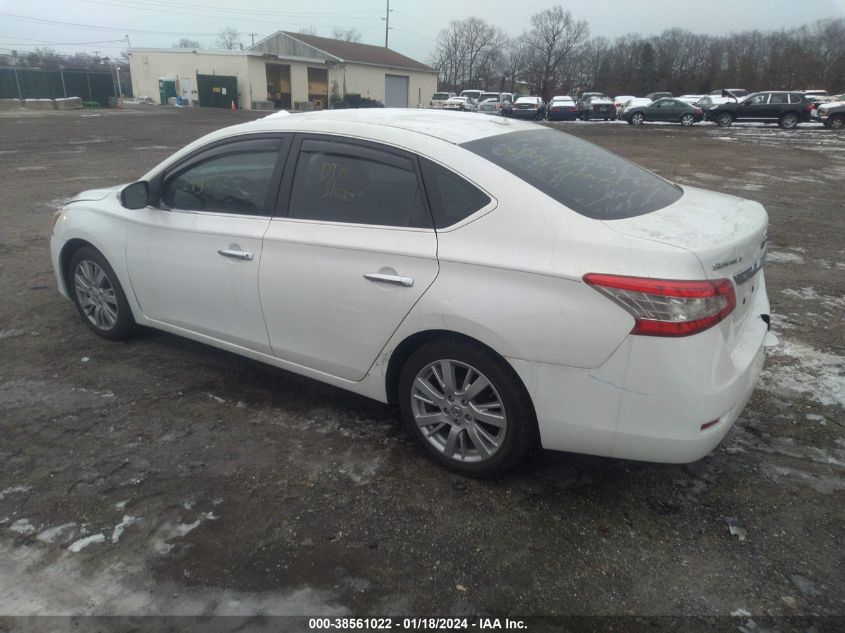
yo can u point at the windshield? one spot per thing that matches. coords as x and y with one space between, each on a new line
532 100
440 96
586 178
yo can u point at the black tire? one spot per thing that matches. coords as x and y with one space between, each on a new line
687 120
638 118
836 122
124 323
725 119
520 433
788 121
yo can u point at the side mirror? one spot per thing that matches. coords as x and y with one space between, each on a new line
136 195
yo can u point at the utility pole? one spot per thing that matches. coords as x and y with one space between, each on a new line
386 19
252 35
128 45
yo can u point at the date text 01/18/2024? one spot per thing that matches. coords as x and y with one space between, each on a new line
413 624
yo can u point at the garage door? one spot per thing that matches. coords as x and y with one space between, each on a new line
395 91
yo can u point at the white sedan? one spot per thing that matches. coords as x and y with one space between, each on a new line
509 285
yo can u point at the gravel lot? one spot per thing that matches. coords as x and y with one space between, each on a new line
163 476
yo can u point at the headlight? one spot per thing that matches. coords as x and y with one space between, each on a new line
55 218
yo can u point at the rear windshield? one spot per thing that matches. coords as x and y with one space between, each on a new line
586 178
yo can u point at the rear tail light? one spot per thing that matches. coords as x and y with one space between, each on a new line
668 307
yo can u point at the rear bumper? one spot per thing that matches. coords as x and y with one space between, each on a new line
649 400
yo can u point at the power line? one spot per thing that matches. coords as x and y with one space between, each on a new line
92 27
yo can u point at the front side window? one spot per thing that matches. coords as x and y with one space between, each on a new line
231 182
584 177
757 99
341 182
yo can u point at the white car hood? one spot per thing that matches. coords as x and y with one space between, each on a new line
92 195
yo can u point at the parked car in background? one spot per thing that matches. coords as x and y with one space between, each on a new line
654 96
528 108
787 109
709 101
581 103
439 98
471 94
665 110
455 103
631 103
832 114
691 99
561 109
598 107
736 93
494 104
537 290
621 100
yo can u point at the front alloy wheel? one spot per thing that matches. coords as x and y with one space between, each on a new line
98 295
836 123
724 120
95 295
637 118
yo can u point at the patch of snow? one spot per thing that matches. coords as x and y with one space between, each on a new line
51 535
22 526
120 527
82 543
10 333
740 613
807 293
782 257
120 505
819 375
812 417
14 490
217 398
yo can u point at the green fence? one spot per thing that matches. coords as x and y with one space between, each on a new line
32 83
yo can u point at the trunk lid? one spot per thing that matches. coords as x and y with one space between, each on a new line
727 234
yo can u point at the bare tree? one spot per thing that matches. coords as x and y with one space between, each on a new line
553 37
229 39
184 42
469 54
347 35
308 30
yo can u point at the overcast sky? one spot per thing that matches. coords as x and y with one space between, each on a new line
94 25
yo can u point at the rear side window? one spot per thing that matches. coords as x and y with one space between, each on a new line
779 99
586 178
794 98
340 182
451 197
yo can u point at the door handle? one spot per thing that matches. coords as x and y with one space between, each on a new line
390 279
227 252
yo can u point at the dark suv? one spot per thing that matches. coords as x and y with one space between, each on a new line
787 109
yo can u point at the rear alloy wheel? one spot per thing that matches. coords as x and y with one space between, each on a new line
788 121
687 120
638 118
836 123
724 120
465 408
98 295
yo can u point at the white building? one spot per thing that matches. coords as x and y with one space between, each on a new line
284 70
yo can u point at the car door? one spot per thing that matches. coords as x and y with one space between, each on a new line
753 108
193 260
349 254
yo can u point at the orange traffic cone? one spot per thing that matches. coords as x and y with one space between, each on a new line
233 107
